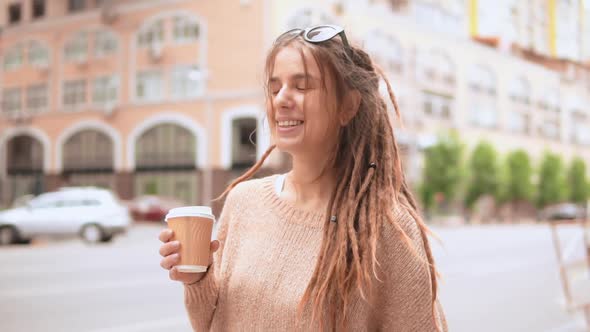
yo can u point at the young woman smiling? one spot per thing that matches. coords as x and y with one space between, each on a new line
337 243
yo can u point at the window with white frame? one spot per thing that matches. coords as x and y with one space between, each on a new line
550 100
484 115
11 100
74 93
386 51
37 98
14 57
187 82
186 29
154 33
550 129
105 43
518 122
38 55
437 105
582 134
76 49
520 91
149 85
482 81
446 68
104 90
435 66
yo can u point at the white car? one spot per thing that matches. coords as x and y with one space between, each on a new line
94 214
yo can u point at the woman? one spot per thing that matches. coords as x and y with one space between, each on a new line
337 242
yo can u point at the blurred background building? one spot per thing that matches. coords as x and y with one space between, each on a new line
165 97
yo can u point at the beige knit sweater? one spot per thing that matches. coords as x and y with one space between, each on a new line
268 252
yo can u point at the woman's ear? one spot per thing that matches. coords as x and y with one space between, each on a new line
352 102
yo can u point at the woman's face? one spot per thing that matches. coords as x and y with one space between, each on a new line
303 122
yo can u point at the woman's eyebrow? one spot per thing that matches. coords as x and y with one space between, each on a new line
295 77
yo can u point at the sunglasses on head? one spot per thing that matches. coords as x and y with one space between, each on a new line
319 34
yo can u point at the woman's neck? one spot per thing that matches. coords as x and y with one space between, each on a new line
309 185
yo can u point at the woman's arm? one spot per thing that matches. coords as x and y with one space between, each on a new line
403 300
200 298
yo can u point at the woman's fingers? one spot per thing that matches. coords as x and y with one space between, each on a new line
170 261
165 235
169 248
214 246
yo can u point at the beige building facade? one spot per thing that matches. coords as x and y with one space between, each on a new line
144 97
162 97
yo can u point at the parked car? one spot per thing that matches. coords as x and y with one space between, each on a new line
22 200
151 208
563 211
94 214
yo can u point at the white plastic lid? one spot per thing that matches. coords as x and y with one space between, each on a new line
190 211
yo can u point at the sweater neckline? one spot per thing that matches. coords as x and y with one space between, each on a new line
288 210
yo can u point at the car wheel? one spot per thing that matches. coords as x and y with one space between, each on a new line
106 238
8 235
91 233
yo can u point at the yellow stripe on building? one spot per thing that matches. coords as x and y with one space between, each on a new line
473 18
552 28
582 31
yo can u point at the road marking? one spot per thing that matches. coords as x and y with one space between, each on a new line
90 286
153 325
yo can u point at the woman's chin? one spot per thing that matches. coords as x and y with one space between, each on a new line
290 146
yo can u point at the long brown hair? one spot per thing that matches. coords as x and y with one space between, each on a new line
365 196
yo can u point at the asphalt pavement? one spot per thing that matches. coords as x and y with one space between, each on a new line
495 278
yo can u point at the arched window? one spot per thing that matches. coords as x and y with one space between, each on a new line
579 119
550 100
24 155
105 43
76 49
24 166
437 76
446 68
165 163
38 54
520 91
435 66
519 117
14 57
87 150
152 33
166 145
186 29
482 81
182 80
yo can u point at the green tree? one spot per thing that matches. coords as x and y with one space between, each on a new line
484 176
442 172
577 182
518 185
551 186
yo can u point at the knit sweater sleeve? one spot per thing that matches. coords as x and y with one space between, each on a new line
200 299
403 300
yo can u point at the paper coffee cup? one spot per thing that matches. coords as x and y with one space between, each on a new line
192 226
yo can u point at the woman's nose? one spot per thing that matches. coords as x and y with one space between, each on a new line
284 99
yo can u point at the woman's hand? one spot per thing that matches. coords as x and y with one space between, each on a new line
170 251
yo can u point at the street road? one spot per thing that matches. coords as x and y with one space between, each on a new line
496 278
